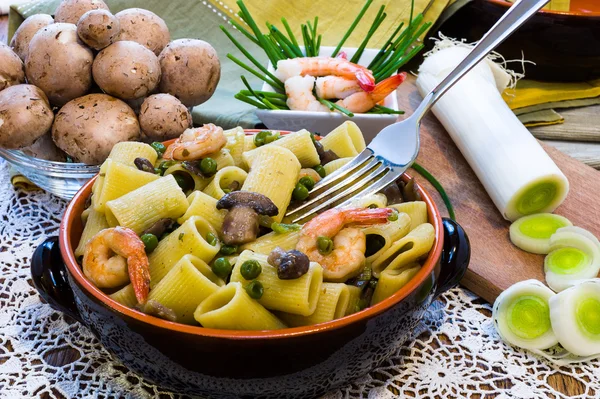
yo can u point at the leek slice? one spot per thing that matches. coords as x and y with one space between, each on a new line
575 318
573 257
521 315
581 231
532 233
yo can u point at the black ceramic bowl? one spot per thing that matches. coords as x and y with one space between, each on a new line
565 46
292 363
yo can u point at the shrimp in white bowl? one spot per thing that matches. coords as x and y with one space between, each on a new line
364 101
325 66
299 91
331 86
195 143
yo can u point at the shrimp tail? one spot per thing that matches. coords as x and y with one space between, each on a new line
367 216
386 86
343 55
365 80
139 274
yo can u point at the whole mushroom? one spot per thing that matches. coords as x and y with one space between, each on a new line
144 27
44 148
70 11
59 64
25 116
290 265
190 71
26 31
11 68
98 29
126 70
163 117
88 127
241 222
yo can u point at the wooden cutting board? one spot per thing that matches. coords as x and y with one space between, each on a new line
495 263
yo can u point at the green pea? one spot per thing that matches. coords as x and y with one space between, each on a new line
228 249
255 289
164 165
221 267
320 170
250 269
300 193
260 138
159 148
373 206
150 242
393 216
272 137
208 166
307 182
212 239
325 245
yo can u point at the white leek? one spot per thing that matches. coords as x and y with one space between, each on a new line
532 233
515 170
521 315
575 317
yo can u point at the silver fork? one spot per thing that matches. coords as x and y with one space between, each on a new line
396 147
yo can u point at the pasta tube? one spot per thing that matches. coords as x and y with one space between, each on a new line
300 144
273 173
141 208
199 182
332 304
235 145
187 284
389 232
417 210
376 200
125 296
267 243
231 308
332 166
223 179
94 224
298 296
189 238
223 158
354 293
390 281
345 140
204 206
408 249
119 180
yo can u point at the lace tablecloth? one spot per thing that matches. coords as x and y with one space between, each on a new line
455 353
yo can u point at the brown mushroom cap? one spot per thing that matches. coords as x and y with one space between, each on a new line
163 117
290 264
26 31
70 11
59 64
261 204
190 71
25 116
88 127
126 70
98 28
11 68
144 27
44 148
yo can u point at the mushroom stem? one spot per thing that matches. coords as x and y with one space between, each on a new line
240 225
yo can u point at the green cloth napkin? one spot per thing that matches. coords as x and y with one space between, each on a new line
185 19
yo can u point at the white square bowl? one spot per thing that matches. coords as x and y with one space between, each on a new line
325 122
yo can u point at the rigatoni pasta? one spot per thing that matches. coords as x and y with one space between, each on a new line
334 165
267 243
225 179
391 280
299 143
333 304
205 206
95 223
345 140
417 210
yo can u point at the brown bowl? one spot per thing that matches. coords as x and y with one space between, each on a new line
565 46
296 362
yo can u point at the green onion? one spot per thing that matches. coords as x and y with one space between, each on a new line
282 228
333 106
351 28
250 101
437 185
289 31
244 32
361 48
274 83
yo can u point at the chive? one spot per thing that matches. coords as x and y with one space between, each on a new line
333 106
387 44
352 27
289 31
318 45
250 101
270 104
274 83
376 22
277 102
307 43
393 68
244 32
278 37
284 41
380 109
268 94
247 17
438 186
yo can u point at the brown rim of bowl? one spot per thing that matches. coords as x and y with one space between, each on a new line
595 13
74 269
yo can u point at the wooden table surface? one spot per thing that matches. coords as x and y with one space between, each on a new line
577 119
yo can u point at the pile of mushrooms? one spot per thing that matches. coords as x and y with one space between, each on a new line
77 84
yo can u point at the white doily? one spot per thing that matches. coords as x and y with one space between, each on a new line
455 354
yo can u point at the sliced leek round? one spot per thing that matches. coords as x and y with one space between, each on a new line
581 231
521 315
575 317
573 257
532 233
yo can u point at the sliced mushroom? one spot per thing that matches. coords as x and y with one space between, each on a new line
290 265
241 224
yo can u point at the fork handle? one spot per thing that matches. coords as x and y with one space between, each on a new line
520 12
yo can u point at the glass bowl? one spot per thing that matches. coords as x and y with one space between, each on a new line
62 179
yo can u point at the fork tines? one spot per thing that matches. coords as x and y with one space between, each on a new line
365 174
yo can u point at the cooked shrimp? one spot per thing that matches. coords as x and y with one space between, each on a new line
336 87
116 256
363 101
310 173
195 143
299 91
347 257
324 66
